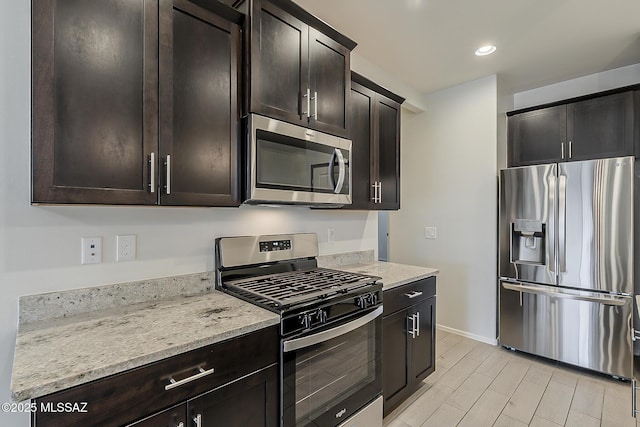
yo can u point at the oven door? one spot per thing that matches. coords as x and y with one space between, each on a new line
290 164
328 375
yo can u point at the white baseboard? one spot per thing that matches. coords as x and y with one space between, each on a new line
492 341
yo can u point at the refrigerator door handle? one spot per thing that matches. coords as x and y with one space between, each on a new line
562 224
575 295
551 235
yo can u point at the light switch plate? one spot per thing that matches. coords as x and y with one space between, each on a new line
126 247
91 250
430 232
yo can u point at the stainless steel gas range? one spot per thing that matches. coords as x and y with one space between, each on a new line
330 328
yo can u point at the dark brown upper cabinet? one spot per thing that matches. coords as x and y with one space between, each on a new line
590 128
125 91
297 67
375 134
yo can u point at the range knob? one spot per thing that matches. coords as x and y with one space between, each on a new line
361 301
321 316
305 320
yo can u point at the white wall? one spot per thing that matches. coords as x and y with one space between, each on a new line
598 82
40 245
448 172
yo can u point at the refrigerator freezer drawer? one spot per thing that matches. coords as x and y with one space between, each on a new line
585 329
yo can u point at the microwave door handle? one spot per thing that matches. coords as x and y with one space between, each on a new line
320 337
341 171
332 159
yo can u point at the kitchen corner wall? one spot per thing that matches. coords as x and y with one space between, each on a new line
40 245
449 181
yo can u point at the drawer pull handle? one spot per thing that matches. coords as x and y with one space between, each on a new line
201 373
413 294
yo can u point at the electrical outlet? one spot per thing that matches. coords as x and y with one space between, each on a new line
331 235
91 250
126 247
430 232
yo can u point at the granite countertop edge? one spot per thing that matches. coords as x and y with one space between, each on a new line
117 368
23 388
393 274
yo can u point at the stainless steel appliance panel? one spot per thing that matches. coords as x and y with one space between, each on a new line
595 225
587 329
527 224
369 416
290 164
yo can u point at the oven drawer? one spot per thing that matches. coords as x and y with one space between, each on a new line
403 296
134 394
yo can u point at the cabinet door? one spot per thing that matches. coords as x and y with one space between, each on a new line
172 417
395 376
279 64
329 67
423 345
537 136
94 79
600 127
251 401
361 103
387 147
199 111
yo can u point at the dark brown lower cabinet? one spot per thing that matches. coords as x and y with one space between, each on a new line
172 417
250 401
408 335
230 383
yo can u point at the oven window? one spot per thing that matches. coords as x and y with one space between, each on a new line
341 373
287 163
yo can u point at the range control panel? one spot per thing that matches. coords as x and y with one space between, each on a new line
275 245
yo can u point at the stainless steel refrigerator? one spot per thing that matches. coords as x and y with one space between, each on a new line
566 262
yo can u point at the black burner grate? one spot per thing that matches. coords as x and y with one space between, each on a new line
294 287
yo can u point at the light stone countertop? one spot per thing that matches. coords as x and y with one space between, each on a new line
56 354
392 274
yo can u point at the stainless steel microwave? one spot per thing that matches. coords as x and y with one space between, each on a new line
289 164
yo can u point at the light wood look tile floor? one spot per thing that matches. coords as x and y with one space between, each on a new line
477 385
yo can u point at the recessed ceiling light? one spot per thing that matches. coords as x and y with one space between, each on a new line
485 50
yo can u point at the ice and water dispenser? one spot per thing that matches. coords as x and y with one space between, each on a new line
528 241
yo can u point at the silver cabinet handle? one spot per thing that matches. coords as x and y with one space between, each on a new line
562 150
553 292
198 420
341 171
570 148
315 105
411 332
201 373
168 165
308 96
375 192
413 294
379 191
152 167
418 324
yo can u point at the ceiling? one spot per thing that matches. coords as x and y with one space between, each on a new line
430 44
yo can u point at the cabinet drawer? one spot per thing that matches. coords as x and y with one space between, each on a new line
134 394
403 296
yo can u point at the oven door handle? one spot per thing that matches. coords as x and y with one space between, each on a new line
298 343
